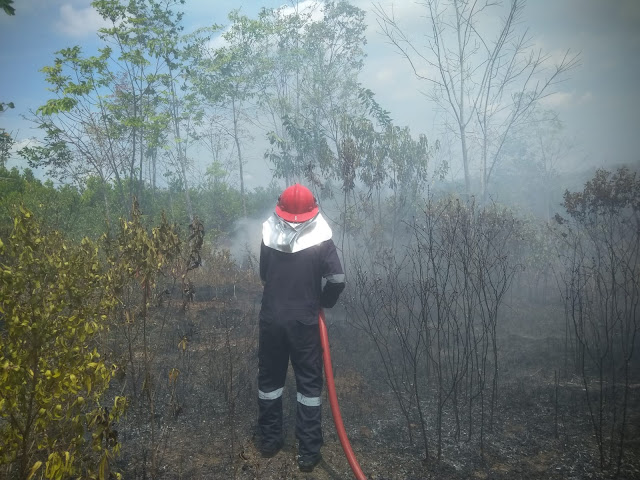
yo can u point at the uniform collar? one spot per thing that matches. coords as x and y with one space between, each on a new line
292 237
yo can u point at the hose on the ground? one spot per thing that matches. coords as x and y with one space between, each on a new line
333 400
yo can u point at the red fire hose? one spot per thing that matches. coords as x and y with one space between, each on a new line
333 400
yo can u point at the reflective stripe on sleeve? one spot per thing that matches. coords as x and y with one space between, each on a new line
270 395
335 278
309 401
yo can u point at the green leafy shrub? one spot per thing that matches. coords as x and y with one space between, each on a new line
55 299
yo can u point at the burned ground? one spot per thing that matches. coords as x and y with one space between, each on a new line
204 419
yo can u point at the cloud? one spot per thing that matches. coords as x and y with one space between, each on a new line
585 98
307 8
79 22
558 100
25 142
218 41
15 161
385 76
400 10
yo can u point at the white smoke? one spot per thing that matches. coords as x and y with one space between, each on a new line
245 237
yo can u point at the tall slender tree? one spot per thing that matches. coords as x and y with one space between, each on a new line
318 55
230 78
115 111
488 85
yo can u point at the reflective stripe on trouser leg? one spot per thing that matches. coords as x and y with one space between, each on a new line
273 360
309 401
306 358
270 395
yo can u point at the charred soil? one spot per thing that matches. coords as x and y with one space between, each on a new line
202 422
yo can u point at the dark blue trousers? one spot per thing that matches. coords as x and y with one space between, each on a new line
281 340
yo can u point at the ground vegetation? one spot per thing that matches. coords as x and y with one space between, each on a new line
475 339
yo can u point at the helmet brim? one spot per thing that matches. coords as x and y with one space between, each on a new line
296 217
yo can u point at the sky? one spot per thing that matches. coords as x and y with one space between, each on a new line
599 102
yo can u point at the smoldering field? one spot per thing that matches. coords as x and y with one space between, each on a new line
471 343
475 339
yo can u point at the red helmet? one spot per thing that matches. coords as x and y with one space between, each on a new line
297 204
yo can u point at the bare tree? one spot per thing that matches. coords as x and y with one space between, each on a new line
431 310
384 308
487 85
602 296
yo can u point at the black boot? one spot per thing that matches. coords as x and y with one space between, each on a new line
306 463
271 449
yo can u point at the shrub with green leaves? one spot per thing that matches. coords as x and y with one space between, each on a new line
54 300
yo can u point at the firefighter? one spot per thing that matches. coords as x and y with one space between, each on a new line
301 273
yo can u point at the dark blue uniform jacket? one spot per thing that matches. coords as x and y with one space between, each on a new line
293 281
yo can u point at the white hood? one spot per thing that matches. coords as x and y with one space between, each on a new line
292 237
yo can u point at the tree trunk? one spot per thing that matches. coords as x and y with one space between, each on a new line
182 155
240 167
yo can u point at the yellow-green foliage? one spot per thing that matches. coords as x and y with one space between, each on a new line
140 254
54 300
